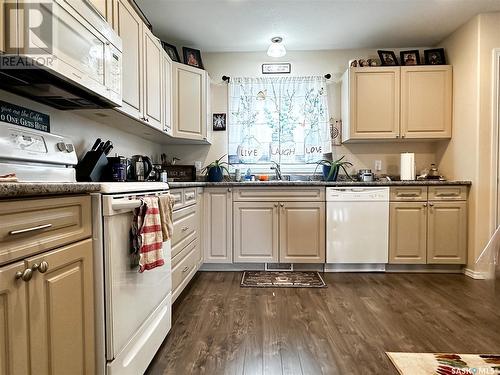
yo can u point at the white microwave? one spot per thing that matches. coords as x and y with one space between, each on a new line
61 53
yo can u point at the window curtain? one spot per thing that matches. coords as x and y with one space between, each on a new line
281 119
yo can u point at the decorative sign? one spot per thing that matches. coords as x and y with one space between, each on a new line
13 114
276 68
219 121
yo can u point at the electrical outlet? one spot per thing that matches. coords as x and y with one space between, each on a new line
378 165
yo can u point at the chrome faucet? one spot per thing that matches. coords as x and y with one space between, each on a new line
277 170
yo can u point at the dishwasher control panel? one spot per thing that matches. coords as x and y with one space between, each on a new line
357 194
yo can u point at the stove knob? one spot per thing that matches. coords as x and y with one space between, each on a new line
69 147
61 146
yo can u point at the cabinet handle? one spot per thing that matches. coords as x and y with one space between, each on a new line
425 204
185 269
282 205
25 275
276 205
32 229
397 136
408 195
447 194
184 229
431 204
229 190
42 267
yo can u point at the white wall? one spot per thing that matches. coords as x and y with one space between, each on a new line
334 62
83 132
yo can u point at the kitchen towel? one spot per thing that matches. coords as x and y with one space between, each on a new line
407 170
166 205
146 233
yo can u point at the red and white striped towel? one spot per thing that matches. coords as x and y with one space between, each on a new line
147 235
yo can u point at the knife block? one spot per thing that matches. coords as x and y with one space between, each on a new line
92 167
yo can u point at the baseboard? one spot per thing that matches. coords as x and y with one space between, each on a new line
354 267
476 275
235 267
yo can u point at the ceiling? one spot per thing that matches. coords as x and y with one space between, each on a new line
248 25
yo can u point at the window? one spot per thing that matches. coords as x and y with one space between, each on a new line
284 120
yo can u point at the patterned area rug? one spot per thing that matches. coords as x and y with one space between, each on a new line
444 364
280 279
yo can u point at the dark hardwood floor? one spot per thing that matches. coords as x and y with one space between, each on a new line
220 328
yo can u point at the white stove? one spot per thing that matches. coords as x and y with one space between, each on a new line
36 156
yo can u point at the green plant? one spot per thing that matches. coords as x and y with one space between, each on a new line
217 164
334 165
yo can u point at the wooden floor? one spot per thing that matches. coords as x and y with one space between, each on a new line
220 328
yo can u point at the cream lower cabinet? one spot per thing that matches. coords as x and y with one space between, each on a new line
447 232
48 321
408 232
302 232
256 231
190 101
217 227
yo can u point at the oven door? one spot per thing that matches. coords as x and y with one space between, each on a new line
132 299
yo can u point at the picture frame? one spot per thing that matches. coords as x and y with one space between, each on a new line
387 58
192 57
219 121
410 58
276 68
171 51
434 56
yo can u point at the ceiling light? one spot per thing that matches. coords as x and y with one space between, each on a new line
276 49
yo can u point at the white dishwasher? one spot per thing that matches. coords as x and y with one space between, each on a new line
357 225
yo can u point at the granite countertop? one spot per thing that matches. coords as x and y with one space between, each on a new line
26 189
174 185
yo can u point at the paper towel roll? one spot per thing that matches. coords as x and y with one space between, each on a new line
407 170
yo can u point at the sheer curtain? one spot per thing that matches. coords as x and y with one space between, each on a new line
278 119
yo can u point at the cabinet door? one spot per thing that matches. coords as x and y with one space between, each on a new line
129 26
374 103
167 94
104 8
217 234
302 232
14 349
61 306
153 66
408 232
255 228
447 241
190 100
426 101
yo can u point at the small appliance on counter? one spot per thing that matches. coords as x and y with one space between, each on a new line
180 173
139 168
365 175
431 174
36 156
92 168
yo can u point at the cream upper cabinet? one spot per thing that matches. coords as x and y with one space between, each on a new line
426 101
189 102
302 232
447 227
255 228
61 310
397 102
3 28
408 232
217 229
153 67
129 26
104 8
371 103
14 349
167 94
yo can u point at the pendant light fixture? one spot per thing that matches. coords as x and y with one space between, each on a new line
276 49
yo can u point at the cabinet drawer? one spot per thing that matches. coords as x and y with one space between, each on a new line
185 224
178 198
409 193
184 265
189 196
448 193
279 193
30 226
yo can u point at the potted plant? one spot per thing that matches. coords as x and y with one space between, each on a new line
331 168
215 170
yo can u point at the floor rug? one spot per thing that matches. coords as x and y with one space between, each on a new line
444 364
281 279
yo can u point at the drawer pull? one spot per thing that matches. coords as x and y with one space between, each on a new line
408 195
189 197
447 194
185 269
184 229
32 229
